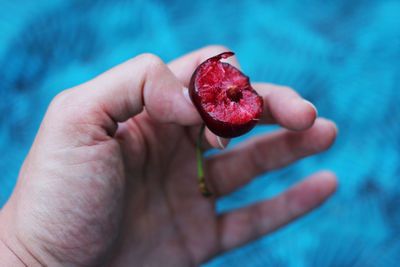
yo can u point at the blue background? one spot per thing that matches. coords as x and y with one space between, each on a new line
341 55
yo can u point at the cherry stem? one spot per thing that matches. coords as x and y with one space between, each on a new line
200 168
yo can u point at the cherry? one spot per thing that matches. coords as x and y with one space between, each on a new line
223 95
225 100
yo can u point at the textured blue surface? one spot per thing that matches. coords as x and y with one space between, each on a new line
342 55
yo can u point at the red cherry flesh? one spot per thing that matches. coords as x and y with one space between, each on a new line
223 96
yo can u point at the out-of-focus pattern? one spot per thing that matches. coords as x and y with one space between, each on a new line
342 55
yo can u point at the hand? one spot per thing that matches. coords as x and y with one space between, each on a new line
111 176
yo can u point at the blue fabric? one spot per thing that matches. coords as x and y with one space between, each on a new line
341 55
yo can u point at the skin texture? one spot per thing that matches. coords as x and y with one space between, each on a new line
111 176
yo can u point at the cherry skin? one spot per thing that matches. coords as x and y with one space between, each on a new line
223 96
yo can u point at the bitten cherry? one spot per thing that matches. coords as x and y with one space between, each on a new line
223 95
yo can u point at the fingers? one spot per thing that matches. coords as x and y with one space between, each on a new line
123 91
244 225
284 106
232 169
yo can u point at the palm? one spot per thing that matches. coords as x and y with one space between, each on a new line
173 218
146 176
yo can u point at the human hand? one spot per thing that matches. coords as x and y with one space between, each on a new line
111 176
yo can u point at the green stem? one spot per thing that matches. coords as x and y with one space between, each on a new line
200 169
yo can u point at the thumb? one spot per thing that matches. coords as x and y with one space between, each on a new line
123 91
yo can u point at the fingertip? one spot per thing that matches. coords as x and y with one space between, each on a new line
329 181
325 133
324 183
223 142
313 109
290 110
311 105
326 174
319 186
301 115
216 141
185 92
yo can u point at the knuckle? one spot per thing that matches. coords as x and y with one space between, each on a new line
61 100
151 60
152 65
67 105
59 108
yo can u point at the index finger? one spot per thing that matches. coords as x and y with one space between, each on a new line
284 106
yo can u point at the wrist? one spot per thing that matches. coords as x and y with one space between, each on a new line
8 257
12 251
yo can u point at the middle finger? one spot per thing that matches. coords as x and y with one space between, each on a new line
234 168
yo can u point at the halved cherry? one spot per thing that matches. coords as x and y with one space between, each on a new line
225 100
224 97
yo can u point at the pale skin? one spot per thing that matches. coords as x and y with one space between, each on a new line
111 176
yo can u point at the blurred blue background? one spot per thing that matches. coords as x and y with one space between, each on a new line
341 55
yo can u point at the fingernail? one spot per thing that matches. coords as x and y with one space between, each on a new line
185 92
312 106
336 128
222 142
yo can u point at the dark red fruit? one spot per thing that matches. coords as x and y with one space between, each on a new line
224 97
